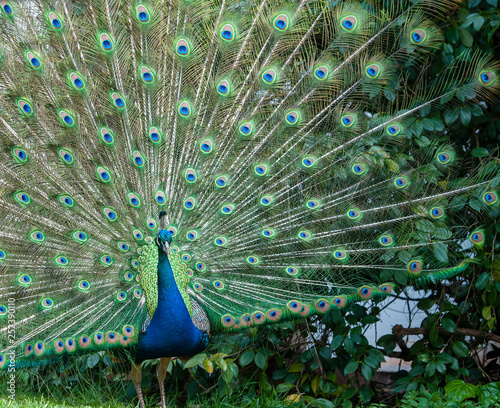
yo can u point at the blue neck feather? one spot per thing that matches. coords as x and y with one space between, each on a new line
171 332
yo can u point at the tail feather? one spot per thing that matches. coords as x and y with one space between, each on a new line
293 148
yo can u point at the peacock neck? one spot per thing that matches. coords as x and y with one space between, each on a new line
171 332
166 280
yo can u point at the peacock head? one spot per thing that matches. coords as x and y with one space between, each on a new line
164 238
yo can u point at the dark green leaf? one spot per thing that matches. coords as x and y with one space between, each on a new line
351 367
460 349
260 360
449 325
92 360
483 280
246 358
459 390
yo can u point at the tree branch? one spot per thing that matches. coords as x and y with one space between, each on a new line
399 331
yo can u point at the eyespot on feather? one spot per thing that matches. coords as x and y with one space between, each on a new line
418 36
353 214
294 306
268 233
142 14
386 288
189 203
490 198
365 292
184 109
99 338
134 200
246 320
252 260
349 23
227 32
224 87
28 349
19 154
269 76
281 22
221 181
267 200
84 342
58 346
103 174
220 241
414 267
25 106
106 42
246 128
151 223
110 214
487 77
112 338
61 261
305 235
273 315
128 276
84 285
24 280
340 255
339 301
107 136
70 345
33 60
118 100
154 134
394 129
182 47
47 303
386 240
359 169
348 120
444 157
401 182
37 236
22 198
39 348
259 317
373 70
160 197
7 9
477 238
65 155
190 175
192 235
227 209
292 270
321 73
218 285
436 213
146 74
138 160
261 169
292 117
322 306
206 146
76 80
227 320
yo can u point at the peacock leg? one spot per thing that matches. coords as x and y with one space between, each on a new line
161 373
136 378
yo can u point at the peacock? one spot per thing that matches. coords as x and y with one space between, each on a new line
175 169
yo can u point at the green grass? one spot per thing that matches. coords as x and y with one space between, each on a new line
82 401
